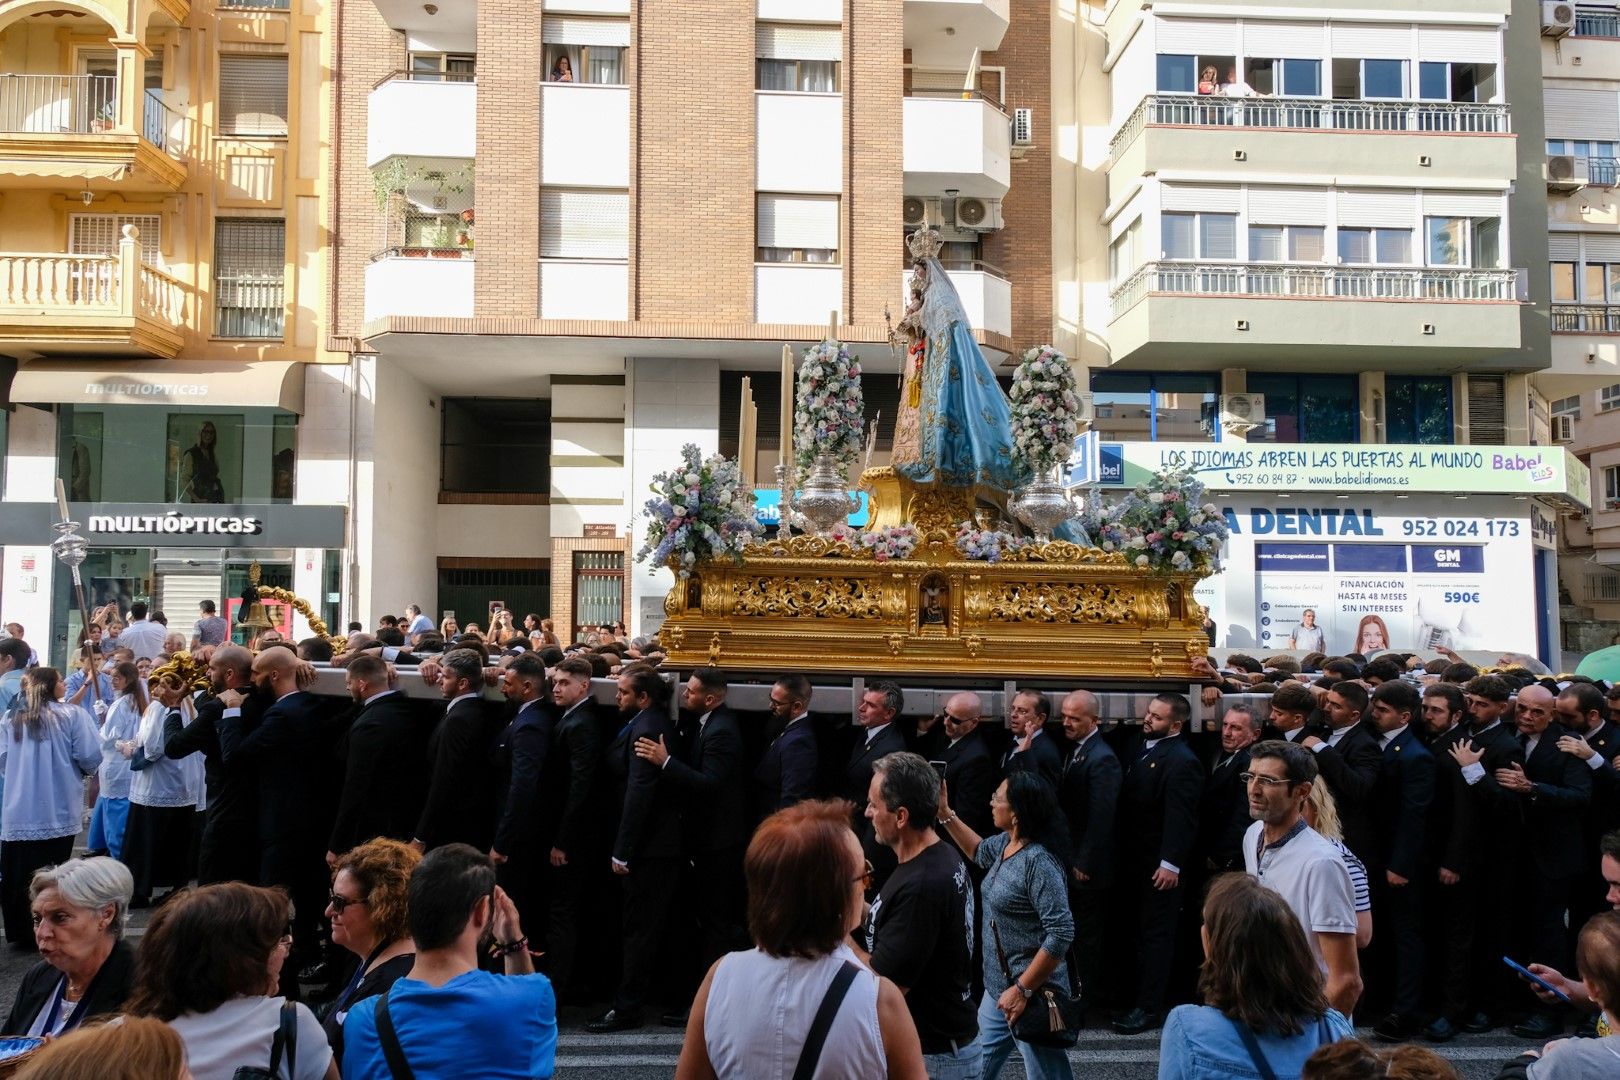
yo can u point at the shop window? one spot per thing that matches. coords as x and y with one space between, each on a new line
250 270
1143 407
1417 409
582 49
481 435
1307 408
147 453
252 95
598 589
797 59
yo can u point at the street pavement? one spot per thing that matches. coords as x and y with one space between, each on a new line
651 1053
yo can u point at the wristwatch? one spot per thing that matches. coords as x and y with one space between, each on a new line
1024 990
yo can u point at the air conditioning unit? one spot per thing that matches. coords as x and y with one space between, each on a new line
1563 428
1240 412
1023 127
980 215
1557 18
1088 409
914 209
1565 172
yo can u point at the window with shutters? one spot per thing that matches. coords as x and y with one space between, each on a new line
1487 410
797 58
100 234
252 95
1286 243
585 49
584 223
250 270
1375 247
443 67
1198 236
796 228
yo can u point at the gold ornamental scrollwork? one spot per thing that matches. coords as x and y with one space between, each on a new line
1044 602
714 650
812 597
673 637
973 643
897 644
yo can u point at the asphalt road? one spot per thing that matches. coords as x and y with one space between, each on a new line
652 1052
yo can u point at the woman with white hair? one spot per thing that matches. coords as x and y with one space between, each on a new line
85 966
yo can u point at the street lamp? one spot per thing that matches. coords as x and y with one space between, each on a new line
70 549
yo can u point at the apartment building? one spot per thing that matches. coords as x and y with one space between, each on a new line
565 232
1580 388
162 290
1325 285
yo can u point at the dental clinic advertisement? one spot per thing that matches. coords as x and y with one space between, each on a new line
1345 553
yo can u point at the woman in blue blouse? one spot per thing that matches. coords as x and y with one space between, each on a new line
1026 904
47 748
1266 1011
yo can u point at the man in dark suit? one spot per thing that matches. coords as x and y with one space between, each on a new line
787 772
1592 737
522 844
929 739
384 761
1158 823
1554 791
285 750
1348 755
877 735
459 809
970 768
1451 914
570 793
1397 871
1223 815
715 822
1491 874
647 849
1089 794
230 839
1035 750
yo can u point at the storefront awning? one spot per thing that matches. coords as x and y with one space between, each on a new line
277 384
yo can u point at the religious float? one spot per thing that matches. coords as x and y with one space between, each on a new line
939 582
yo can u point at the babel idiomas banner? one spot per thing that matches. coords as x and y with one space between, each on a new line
1366 573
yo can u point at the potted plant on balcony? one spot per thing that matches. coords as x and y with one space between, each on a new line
105 118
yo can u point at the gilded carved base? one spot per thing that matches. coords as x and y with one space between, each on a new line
815 604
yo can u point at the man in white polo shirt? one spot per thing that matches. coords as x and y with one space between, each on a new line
1288 856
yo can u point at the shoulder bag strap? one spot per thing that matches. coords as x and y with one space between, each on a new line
286 1040
393 1053
810 1056
1001 955
1252 1045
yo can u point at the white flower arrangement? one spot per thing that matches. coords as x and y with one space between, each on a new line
987 545
1045 409
894 542
700 510
829 411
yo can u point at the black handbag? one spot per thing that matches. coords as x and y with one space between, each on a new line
1051 1016
286 1041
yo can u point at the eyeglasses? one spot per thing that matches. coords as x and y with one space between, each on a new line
338 903
286 935
1265 781
864 879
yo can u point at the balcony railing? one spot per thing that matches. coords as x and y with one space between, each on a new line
1597 22
1310 281
71 285
427 77
255 5
56 104
1586 318
958 95
1313 114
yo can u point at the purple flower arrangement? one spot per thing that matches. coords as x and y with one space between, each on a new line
987 545
700 510
894 542
1164 525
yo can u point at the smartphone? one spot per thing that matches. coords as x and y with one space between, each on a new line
939 767
1524 972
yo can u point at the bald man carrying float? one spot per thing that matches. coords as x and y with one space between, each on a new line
285 751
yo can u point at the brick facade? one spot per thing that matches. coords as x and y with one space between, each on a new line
693 110
506 281
1024 247
874 169
364 51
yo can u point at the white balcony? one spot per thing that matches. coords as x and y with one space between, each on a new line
797 293
986 295
798 142
421 119
585 135
585 289
955 142
424 285
945 32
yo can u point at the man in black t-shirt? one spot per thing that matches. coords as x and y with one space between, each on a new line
919 930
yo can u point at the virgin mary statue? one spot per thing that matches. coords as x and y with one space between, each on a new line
953 425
